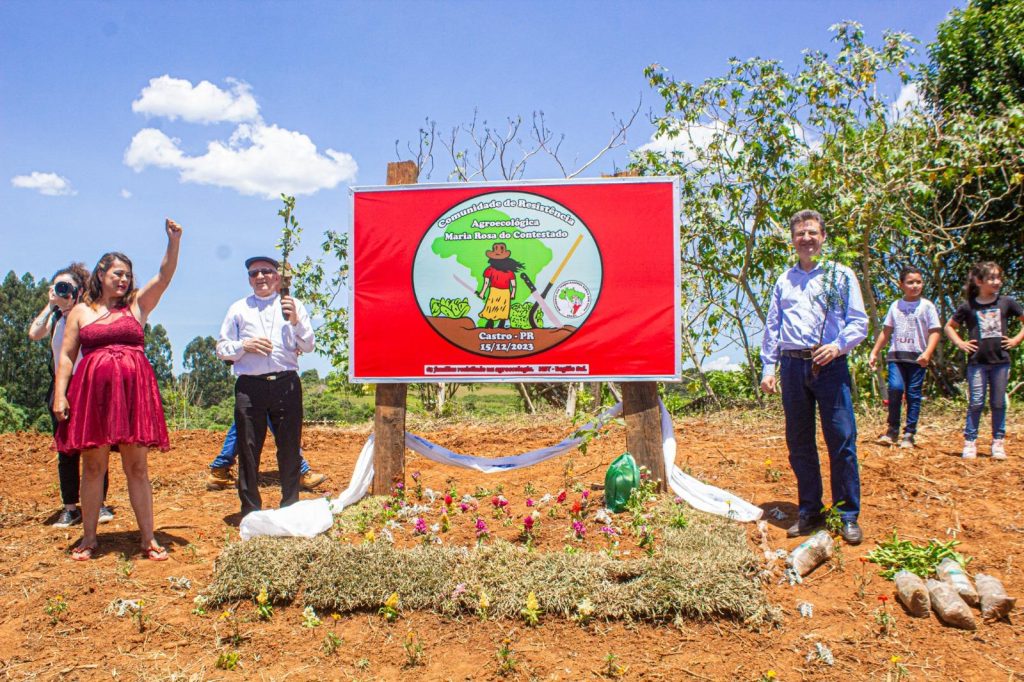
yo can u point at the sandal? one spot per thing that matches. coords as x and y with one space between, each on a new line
155 553
83 552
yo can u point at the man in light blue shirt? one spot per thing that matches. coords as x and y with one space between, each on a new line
262 335
816 317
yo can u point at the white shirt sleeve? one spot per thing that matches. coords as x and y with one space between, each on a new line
229 345
299 336
932 316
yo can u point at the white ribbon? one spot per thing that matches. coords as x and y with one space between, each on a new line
311 517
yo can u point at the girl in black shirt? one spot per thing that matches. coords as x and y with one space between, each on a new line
986 314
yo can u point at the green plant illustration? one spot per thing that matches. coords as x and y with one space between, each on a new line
519 317
449 307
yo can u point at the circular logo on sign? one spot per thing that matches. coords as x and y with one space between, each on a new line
572 299
489 273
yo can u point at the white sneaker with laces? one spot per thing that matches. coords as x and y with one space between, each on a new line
999 448
970 449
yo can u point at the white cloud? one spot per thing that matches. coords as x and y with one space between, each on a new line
49 184
203 103
257 160
692 138
907 101
722 363
125 194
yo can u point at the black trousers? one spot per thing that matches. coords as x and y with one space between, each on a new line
277 397
68 472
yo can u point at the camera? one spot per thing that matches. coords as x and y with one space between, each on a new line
65 289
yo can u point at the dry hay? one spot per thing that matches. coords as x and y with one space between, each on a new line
703 571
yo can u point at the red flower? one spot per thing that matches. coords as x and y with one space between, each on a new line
495 501
883 598
576 507
561 497
447 500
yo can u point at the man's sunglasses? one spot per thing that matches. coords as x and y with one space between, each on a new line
267 272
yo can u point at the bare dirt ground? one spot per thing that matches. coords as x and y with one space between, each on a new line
925 493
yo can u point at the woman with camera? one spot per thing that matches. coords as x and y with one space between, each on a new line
112 399
65 291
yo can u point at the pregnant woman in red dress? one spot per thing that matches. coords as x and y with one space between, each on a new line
113 398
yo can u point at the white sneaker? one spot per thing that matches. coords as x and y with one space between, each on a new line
970 449
999 448
106 514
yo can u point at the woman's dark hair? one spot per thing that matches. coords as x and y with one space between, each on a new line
506 264
980 271
78 273
909 270
94 291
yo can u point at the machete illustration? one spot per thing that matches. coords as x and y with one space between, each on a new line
551 282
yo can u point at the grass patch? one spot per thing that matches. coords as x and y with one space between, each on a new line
704 571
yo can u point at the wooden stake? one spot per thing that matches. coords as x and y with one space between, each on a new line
389 415
643 427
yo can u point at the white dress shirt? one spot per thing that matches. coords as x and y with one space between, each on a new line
797 316
255 316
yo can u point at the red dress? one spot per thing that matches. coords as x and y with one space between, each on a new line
113 396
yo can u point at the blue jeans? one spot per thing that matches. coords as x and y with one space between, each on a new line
995 377
905 377
829 392
229 451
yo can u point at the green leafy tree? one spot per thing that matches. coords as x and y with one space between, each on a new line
755 145
210 376
976 75
12 417
977 59
158 351
24 364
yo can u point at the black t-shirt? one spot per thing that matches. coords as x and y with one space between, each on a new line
986 324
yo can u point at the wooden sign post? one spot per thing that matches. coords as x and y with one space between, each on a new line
643 427
389 415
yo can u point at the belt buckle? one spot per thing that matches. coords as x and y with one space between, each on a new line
271 377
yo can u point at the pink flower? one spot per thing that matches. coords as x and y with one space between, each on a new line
463 507
529 502
586 494
495 501
579 529
421 526
481 527
528 524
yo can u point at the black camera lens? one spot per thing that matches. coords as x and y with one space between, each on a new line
64 289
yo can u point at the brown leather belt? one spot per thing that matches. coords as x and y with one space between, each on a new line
799 353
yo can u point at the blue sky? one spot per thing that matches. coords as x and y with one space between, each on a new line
105 127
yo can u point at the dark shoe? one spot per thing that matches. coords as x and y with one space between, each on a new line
68 517
851 532
804 527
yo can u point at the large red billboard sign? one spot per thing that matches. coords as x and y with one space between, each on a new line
529 281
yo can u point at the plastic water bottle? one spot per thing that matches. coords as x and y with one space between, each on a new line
913 594
949 607
995 603
811 553
950 571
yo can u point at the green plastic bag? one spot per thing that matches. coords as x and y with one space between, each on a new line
622 476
